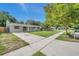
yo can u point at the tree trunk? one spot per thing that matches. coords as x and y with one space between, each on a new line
66 29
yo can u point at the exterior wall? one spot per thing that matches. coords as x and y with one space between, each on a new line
11 27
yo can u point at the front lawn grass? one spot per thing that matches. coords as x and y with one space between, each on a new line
44 33
2 49
39 54
65 37
10 42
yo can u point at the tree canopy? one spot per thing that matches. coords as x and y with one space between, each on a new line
63 14
33 22
4 16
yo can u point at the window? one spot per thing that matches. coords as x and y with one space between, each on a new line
33 27
38 27
16 27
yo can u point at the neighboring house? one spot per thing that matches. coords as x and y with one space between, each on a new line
15 27
57 28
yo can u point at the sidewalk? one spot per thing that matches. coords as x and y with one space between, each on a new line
34 47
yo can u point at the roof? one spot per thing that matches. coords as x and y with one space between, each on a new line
16 24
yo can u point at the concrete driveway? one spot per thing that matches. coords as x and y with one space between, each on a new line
49 46
30 38
33 47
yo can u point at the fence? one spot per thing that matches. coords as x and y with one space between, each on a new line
2 29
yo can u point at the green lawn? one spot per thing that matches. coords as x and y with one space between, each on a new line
44 33
0 33
65 37
10 42
2 49
39 54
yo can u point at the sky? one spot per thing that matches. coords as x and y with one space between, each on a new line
25 11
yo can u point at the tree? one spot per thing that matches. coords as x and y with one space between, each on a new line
4 16
62 14
33 22
21 22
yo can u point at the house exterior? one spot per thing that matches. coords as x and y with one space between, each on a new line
15 27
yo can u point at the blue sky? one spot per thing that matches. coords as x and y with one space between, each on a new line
24 11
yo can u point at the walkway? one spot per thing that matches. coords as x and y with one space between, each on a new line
33 47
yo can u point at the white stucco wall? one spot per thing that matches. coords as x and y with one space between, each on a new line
12 28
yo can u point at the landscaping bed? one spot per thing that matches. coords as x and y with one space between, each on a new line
10 42
69 38
44 33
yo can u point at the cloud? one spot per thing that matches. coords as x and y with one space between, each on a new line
23 7
31 9
27 7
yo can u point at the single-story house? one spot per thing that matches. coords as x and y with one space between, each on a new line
15 27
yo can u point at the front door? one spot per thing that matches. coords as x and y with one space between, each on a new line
24 29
